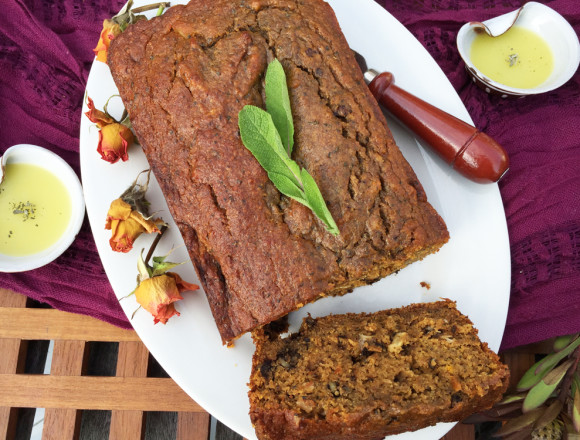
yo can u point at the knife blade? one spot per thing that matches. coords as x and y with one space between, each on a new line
466 149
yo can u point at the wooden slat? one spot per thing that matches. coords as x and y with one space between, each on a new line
61 424
12 353
518 363
90 392
12 357
127 425
132 361
460 432
47 324
11 299
8 417
68 359
193 426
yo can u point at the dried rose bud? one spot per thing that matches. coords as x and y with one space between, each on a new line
127 224
114 139
97 116
110 30
158 294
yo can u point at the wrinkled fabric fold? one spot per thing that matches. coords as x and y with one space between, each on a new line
45 57
541 192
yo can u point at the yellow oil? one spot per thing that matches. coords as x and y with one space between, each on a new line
519 58
35 209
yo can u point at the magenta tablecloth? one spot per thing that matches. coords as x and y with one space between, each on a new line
45 57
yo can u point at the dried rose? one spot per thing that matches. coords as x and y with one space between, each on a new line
97 116
157 295
114 136
114 139
117 24
110 30
158 289
128 218
126 225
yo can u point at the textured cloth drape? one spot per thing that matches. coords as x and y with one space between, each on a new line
45 56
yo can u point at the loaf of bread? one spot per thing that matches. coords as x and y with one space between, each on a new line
366 376
184 77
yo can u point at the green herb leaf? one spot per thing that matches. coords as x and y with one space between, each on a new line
160 266
562 342
576 410
260 135
576 383
288 187
544 366
544 389
316 202
512 398
278 104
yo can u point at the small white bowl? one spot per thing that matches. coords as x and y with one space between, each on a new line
544 21
33 155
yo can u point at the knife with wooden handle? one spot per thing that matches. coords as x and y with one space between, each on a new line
471 152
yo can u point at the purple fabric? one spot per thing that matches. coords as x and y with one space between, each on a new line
541 191
45 56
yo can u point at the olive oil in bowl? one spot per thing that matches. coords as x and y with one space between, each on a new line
519 58
41 207
527 51
35 209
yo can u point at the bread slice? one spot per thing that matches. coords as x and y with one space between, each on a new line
365 376
184 77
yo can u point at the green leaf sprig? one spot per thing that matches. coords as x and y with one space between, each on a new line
269 135
547 404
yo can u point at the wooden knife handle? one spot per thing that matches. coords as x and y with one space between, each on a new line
471 152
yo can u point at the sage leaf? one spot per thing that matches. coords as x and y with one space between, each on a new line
544 366
278 104
259 135
287 187
264 139
544 389
316 202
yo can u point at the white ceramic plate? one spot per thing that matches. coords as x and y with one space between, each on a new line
472 269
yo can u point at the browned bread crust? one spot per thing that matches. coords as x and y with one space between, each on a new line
185 76
365 376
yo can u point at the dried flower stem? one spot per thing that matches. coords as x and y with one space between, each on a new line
154 244
563 395
150 7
